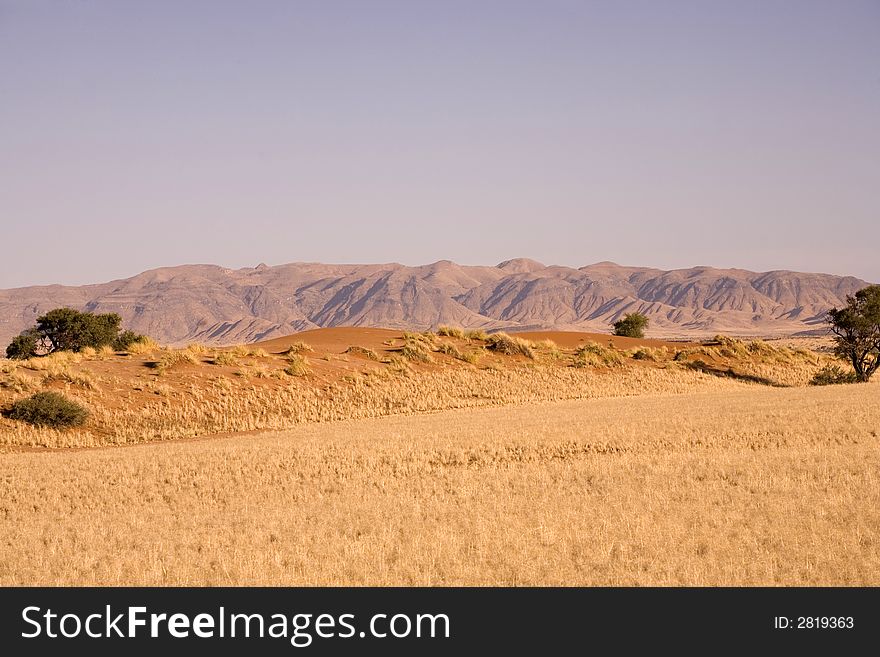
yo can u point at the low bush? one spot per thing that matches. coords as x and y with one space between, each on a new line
593 354
363 351
416 350
646 353
172 358
833 375
225 359
298 365
510 345
466 356
126 339
451 331
49 409
23 346
299 347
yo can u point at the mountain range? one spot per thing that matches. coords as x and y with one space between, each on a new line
212 304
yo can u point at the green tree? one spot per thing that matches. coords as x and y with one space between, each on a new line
23 346
632 325
856 329
66 329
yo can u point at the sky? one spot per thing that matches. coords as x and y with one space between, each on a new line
668 134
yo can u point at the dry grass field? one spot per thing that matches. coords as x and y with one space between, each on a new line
745 485
156 394
378 458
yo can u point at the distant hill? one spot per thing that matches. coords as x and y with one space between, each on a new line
211 304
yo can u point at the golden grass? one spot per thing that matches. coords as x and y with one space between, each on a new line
592 354
363 351
258 394
143 346
298 347
225 359
451 331
245 351
467 355
297 366
730 484
417 350
176 357
509 345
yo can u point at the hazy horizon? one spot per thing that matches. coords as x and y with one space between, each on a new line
419 264
732 135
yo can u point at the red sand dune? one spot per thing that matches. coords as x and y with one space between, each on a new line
338 339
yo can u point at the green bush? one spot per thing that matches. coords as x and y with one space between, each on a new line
48 409
124 340
632 325
23 346
833 375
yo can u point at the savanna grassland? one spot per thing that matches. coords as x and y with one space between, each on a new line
404 461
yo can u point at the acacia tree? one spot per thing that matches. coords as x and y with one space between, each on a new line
856 329
66 329
631 326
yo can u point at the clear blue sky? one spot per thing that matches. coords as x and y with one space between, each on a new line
136 134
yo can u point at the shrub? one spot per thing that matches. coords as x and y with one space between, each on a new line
225 359
397 364
451 350
23 346
509 345
450 331
299 347
731 347
833 375
593 354
298 365
142 346
172 358
760 348
476 334
363 351
48 409
546 344
125 339
683 354
632 325
428 337
646 353
414 349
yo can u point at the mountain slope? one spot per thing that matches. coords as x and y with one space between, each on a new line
215 305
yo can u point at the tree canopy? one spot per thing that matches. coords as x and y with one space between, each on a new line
66 329
632 325
856 329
